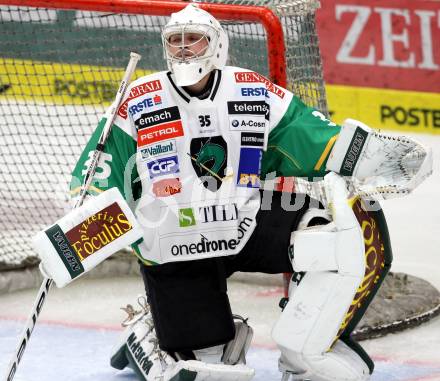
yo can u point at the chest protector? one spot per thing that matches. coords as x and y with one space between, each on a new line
199 163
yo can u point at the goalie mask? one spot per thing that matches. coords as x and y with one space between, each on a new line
194 44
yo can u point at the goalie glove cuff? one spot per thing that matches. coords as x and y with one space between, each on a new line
379 164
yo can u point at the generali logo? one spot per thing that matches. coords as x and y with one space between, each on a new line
252 77
98 231
137 91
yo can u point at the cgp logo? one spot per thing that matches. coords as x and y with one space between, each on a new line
163 166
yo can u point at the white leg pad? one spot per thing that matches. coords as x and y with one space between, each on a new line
325 248
340 364
333 257
315 312
209 372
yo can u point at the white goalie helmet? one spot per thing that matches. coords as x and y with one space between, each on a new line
186 63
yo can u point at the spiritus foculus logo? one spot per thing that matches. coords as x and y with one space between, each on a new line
98 231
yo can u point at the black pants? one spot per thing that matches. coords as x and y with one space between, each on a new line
189 299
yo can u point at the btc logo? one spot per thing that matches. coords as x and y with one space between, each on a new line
249 179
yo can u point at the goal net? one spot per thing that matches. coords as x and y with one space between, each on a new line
60 68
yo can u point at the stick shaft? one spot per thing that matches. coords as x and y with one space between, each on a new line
29 327
46 284
134 58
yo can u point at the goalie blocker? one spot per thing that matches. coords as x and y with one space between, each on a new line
86 236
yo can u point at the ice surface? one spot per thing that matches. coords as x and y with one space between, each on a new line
80 323
65 353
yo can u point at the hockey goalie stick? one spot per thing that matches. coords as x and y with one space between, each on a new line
46 284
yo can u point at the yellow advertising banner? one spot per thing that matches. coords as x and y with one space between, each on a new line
399 110
60 83
56 83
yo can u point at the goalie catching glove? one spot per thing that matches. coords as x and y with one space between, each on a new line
86 236
379 163
138 349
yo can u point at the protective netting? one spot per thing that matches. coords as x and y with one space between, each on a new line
59 70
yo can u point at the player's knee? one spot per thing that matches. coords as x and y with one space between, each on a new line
318 245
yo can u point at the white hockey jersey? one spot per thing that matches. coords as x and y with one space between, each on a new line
197 162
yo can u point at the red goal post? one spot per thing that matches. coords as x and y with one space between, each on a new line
225 12
60 61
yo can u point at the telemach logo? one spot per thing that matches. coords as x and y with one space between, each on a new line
98 231
139 353
249 108
212 246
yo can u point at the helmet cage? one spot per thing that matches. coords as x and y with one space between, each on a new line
190 66
185 52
